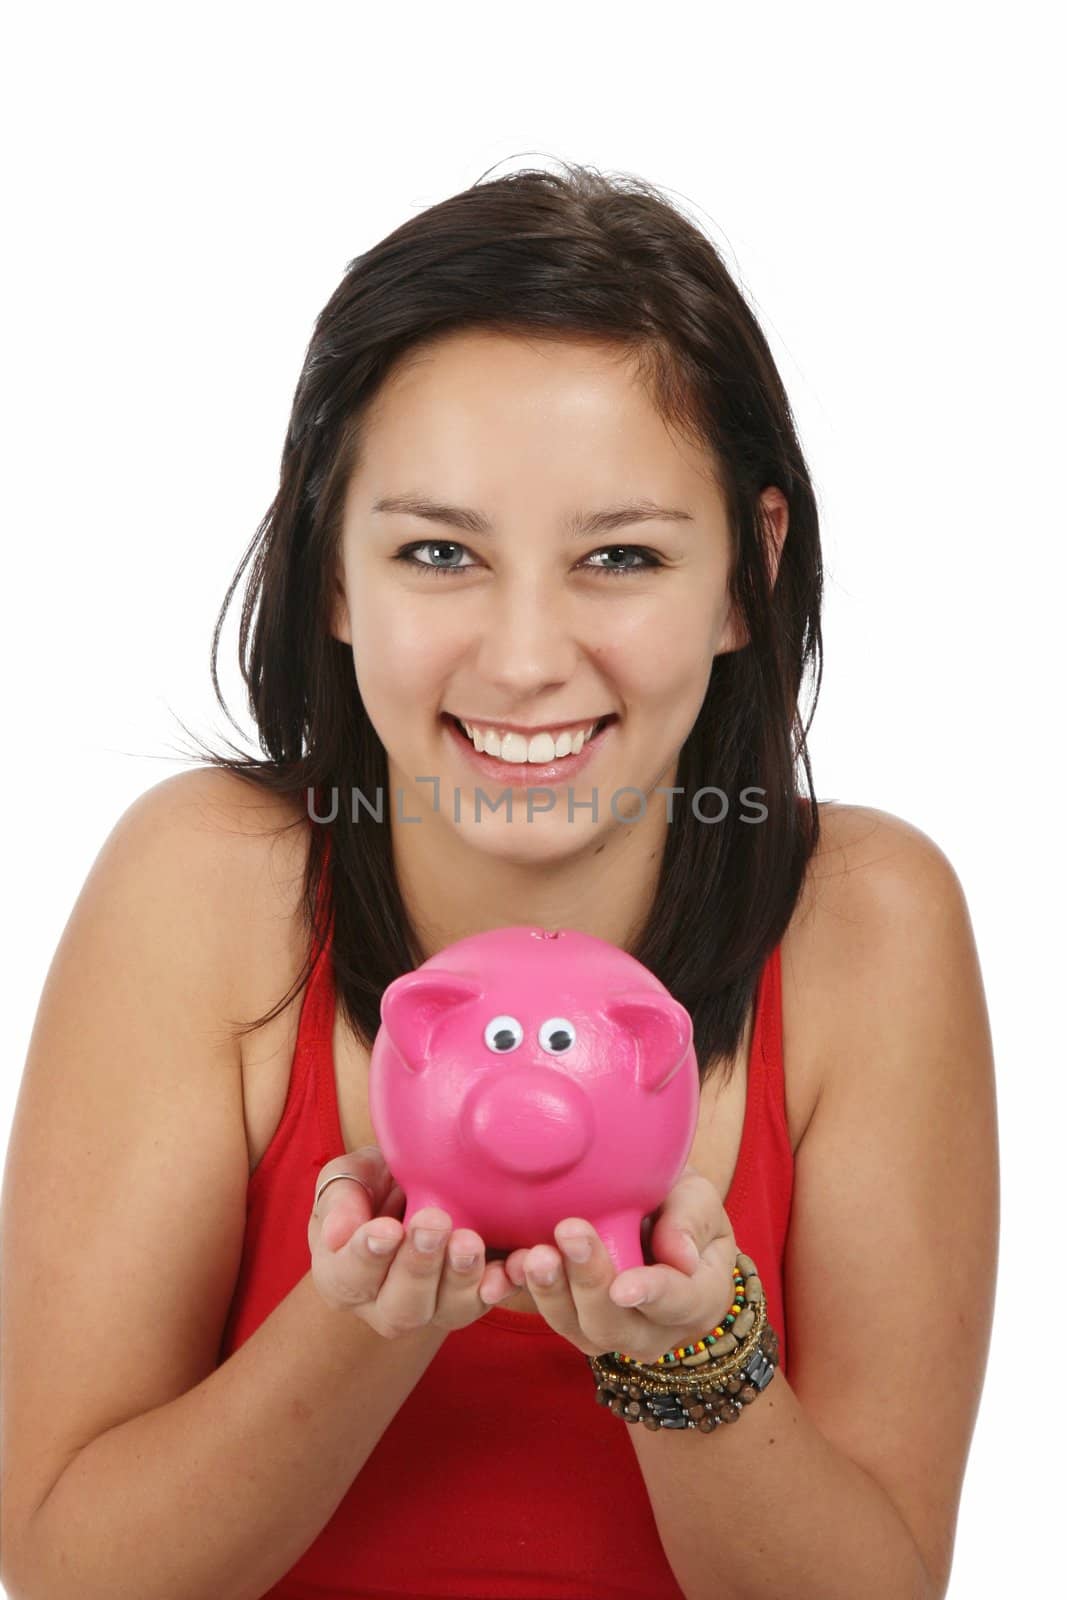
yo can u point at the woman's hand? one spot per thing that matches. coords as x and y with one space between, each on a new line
402 1288
684 1298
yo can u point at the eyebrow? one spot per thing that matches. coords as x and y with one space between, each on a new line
578 525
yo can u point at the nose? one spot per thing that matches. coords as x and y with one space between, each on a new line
530 1122
526 643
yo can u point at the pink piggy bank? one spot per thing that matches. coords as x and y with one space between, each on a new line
522 1076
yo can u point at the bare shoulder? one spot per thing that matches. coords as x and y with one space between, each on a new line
233 811
878 891
864 853
896 1185
249 847
893 920
243 851
199 843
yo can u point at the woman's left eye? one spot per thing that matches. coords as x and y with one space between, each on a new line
648 561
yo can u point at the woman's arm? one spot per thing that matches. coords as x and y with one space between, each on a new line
846 1479
132 1465
768 1507
221 1490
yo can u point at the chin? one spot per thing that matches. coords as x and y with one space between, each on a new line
521 849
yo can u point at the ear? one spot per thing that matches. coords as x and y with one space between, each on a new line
340 626
774 511
774 508
413 1005
660 1030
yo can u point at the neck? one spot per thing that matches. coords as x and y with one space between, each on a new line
466 878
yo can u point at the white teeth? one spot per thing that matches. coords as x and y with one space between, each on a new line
513 748
516 748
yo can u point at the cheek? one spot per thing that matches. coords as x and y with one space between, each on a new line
664 669
397 660
675 684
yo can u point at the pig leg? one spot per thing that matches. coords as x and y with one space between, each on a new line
621 1233
423 1194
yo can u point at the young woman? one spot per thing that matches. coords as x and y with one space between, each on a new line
543 529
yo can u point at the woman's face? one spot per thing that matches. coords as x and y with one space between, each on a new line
506 612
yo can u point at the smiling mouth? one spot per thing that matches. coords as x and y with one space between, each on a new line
597 731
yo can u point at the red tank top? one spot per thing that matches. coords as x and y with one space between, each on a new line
500 1468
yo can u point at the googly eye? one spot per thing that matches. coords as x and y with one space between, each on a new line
503 1034
556 1035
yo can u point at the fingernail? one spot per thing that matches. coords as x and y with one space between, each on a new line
427 1241
692 1254
575 1246
544 1277
630 1297
379 1245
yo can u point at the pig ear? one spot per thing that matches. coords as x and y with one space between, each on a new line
661 1031
413 1005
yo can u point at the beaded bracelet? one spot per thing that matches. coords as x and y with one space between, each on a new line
730 1367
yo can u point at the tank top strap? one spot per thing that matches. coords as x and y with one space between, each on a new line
770 1008
314 1047
303 1124
767 1059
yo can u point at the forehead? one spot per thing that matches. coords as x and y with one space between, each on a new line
479 413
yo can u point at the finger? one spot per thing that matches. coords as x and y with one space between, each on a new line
590 1273
577 1304
691 1218
408 1298
630 1310
363 1262
674 1308
352 1275
468 1285
464 1263
549 1288
343 1205
496 1286
515 1267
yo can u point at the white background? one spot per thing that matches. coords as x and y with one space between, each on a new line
183 189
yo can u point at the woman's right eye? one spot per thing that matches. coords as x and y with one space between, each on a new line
408 556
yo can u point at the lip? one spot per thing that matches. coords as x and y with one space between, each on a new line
528 774
542 727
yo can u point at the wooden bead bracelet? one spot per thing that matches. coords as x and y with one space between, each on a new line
701 1385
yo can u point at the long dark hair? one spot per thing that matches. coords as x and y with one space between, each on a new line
570 253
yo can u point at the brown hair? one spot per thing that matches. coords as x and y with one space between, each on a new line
582 254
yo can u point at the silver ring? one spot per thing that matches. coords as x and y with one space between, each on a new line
327 1181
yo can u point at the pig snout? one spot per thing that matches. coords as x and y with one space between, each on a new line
531 1123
